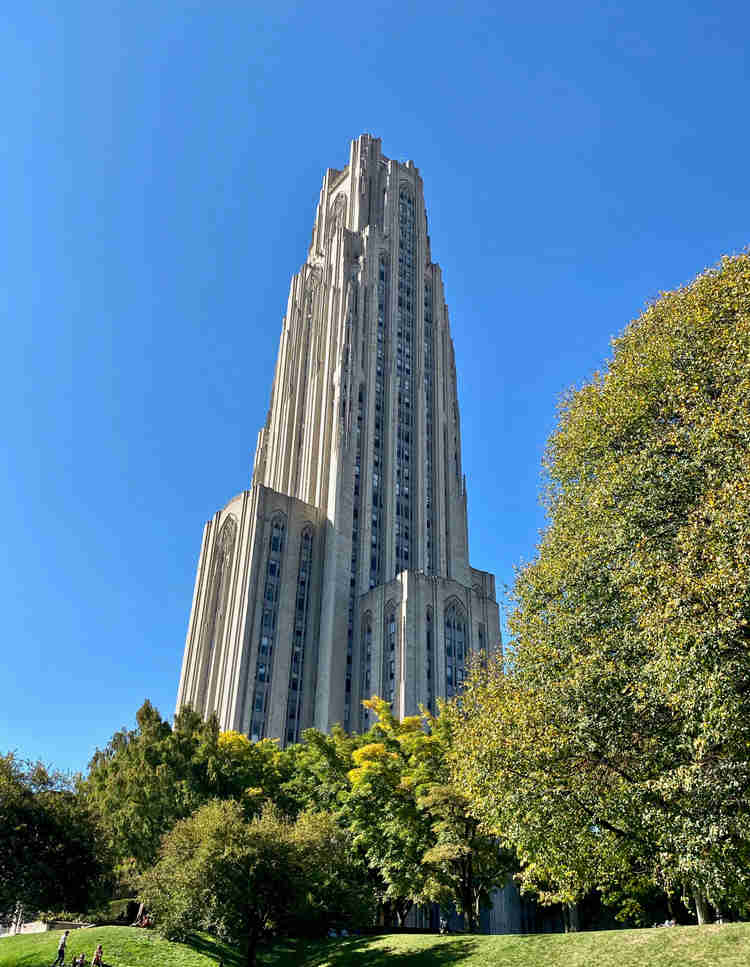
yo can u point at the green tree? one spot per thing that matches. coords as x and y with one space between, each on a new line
145 780
466 862
218 872
242 880
236 768
613 747
316 771
382 812
148 778
337 890
414 824
52 855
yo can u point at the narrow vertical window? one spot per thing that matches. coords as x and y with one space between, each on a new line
354 564
429 410
389 654
405 338
269 615
379 427
217 607
299 638
366 665
429 661
456 648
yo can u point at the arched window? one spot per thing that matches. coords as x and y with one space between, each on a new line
389 652
213 628
378 433
267 640
366 665
354 569
336 216
430 660
299 637
404 346
456 647
339 208
429 413
482 644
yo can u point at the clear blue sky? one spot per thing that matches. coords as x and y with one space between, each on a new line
159 170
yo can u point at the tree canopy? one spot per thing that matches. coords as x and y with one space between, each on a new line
51 852
613 746
413 824
240 880
148 778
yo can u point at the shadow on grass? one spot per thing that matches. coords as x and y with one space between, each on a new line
360 952
202 943
348 952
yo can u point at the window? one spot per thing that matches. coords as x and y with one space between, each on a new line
264 662
217 605
296 668
405 333
389 652
428 661
456 645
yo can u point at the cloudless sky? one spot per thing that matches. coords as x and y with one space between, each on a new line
160 163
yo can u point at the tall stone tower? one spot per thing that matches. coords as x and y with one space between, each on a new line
344 570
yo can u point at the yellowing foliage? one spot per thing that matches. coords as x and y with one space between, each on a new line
371 752
234 743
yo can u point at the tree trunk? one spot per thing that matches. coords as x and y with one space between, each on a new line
570 919
252 946
468 905
402 912
702 909
470 895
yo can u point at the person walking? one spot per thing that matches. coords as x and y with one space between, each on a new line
61 949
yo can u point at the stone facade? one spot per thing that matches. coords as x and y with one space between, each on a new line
344 570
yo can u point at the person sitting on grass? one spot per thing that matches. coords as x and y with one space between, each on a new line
96 960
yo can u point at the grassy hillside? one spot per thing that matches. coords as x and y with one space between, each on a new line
123 947
727 946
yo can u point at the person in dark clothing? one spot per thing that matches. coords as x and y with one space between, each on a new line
60 959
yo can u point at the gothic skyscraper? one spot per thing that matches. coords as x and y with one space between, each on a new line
344 570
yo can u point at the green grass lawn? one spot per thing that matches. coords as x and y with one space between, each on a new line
123 947
727 946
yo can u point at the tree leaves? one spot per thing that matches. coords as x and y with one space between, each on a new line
617 744
51 853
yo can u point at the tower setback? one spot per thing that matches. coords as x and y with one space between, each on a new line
344 570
